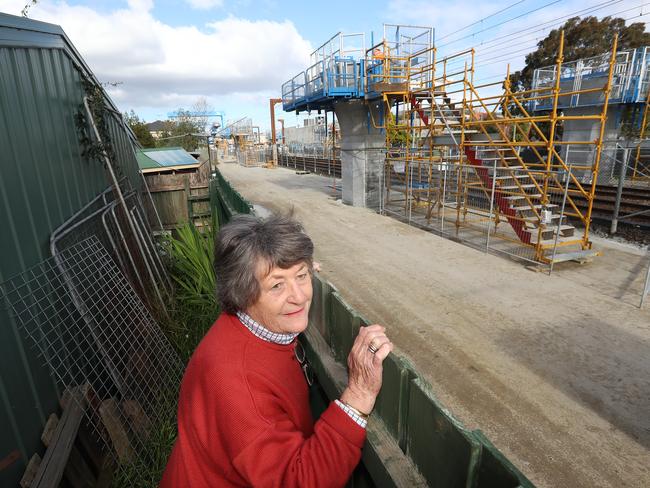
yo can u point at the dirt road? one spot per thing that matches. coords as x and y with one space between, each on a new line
555 370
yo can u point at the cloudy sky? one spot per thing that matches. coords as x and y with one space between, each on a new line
165 54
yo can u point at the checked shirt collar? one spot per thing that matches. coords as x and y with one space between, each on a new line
263 333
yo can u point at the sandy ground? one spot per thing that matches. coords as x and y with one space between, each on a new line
555 370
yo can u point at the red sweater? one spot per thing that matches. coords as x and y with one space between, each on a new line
244 419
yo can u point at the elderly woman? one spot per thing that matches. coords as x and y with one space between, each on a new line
243 414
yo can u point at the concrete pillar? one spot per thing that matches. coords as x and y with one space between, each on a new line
362 153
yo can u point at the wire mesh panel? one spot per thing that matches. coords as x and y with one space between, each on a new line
253 156
93 332
490 208
136 254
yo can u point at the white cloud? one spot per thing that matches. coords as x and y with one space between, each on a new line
205 4
141 5
167 66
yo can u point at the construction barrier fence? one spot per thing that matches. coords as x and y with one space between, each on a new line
485 208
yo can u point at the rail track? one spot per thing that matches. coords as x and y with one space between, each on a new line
634 199
314 164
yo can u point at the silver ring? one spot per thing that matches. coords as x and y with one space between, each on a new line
372 348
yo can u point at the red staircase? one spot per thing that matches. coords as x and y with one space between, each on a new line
504 205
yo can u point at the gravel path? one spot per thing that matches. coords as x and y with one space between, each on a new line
555 370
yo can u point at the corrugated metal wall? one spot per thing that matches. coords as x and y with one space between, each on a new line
43 181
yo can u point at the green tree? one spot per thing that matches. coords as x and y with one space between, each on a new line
583 38
180 130
140 130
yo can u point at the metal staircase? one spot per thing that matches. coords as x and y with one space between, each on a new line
438 122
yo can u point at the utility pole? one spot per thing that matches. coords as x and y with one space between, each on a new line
274 145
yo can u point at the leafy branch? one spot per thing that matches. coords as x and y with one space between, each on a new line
93 149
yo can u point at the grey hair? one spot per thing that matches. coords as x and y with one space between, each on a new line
248 241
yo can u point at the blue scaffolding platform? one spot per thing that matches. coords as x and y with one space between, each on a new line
320 84
342 66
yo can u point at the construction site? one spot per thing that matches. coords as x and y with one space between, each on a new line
552 364
498 232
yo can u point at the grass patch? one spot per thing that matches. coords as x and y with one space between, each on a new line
194 308
192 311
148 467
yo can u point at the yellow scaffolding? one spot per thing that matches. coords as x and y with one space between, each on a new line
454 146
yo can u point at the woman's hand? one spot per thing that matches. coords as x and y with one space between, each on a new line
365 367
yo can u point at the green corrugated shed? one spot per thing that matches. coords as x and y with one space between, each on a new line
44 180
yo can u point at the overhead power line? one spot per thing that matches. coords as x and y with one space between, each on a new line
558 20
484 63
481 20
502 23
498 54
490 48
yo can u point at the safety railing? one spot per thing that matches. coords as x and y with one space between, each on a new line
342 77
293 91
584 79
407 40
340 45
315 80
334 72
483 207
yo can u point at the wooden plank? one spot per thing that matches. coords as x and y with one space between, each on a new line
445 453
105 479
190 210
162 189
176 187
56 456
172 207
199 198
495 470
344 322
138 418
111 418
392 402
30 473
48 430
89 443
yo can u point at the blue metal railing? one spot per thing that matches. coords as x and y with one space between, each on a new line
323 81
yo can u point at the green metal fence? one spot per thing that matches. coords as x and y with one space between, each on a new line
225 200
44 179
412 439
